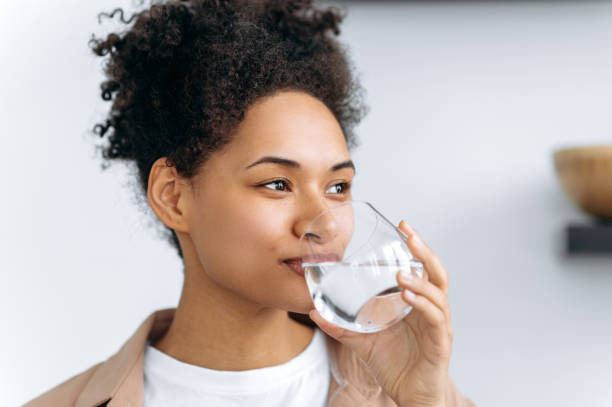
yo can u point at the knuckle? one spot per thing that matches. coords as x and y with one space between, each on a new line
443 273
444 277
439 317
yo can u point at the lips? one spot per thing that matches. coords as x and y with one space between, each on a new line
295 263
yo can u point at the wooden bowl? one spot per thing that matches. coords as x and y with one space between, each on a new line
585 174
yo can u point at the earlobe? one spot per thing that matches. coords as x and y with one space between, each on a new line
166 195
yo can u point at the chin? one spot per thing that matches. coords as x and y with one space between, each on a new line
287 292
299 302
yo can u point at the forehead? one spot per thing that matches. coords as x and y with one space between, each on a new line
290 124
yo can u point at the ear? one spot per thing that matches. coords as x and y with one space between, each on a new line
168 195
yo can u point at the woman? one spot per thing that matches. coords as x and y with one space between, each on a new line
238 116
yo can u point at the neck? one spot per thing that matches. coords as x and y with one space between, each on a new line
215 329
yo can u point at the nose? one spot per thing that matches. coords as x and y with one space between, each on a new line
317 224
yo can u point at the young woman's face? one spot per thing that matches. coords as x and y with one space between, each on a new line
288 162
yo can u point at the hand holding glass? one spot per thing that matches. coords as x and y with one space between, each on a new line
350 256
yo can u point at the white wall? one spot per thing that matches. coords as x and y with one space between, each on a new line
468 102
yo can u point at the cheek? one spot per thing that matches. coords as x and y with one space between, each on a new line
261 227
237 236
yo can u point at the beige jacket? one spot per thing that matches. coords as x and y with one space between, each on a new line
118 381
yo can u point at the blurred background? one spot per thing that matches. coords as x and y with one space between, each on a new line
468 102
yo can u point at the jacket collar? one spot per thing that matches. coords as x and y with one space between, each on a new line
119 378
119 381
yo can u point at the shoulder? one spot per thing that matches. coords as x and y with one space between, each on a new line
65 393
119 374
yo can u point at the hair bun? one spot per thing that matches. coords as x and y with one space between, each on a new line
298 17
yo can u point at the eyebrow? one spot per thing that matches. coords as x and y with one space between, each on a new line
294 164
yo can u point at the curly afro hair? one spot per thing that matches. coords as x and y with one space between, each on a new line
183 75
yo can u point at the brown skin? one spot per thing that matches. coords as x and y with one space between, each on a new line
235 231
234 234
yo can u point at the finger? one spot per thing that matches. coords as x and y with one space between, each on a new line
432 314
441 330
439 333
422 287
420 250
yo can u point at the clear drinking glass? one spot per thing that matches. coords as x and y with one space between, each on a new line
350 255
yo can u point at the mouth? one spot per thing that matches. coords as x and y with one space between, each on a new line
295 263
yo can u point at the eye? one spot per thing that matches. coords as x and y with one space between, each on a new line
339 188
276 185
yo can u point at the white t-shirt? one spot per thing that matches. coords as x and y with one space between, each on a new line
302 381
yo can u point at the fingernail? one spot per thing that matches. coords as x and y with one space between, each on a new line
406 227
406 275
